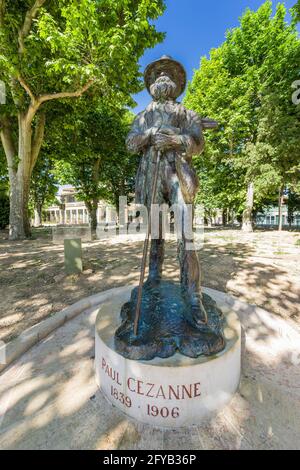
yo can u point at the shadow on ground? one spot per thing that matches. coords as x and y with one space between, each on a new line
49 399
259 270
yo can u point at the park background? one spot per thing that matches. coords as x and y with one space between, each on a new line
70 86
63 157
71 93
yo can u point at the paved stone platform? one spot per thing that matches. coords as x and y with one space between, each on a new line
49 398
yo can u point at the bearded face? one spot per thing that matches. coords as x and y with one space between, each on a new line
163 89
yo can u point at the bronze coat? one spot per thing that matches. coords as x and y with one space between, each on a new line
187 124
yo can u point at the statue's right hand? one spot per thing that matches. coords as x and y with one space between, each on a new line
165 142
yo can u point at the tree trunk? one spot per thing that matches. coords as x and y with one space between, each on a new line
224 217
280 210
92 205
19 224
38 216
247 214
19 177
92 208
20 166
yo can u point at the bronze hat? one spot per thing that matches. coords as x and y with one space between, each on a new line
173 68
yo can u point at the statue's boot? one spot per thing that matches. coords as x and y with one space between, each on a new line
190 282
199 313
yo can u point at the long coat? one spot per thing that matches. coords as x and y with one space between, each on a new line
187 124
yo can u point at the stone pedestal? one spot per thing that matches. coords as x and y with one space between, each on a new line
174 392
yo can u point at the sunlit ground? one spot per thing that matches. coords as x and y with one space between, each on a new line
48 397
262 268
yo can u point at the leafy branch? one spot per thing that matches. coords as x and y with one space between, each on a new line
29 17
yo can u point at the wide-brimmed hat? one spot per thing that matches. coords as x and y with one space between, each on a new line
172 68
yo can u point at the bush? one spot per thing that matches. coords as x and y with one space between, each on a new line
4 210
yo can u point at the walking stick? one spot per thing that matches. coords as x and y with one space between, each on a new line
146 246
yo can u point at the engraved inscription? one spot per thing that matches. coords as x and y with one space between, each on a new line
165 392
135 387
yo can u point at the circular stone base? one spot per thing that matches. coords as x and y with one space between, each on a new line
174 392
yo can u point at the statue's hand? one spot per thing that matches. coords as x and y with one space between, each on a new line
163 142
169 130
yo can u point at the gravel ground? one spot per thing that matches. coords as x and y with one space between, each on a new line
262 268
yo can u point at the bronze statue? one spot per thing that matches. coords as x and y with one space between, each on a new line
164 317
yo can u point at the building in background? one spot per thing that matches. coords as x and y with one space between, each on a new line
70 211
270 217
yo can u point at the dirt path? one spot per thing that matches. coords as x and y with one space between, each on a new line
262 268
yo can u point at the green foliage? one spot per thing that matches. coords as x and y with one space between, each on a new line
296 11
60 45
44 186
245 85
293 205
61 49
3 172
4 199
4 209
93 155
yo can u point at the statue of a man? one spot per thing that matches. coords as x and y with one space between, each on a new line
173 317
167 126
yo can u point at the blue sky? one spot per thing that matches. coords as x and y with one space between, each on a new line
194 27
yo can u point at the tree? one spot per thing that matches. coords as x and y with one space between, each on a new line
293 204
3 172
4 199
96 161
4 209
44 187
120 166
219 186
237 86
296 11
275 158
55 50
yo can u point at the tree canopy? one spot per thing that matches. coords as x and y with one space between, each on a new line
245 85
60 49
92 154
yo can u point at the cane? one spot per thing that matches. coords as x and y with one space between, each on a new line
146 246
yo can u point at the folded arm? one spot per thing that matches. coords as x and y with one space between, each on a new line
190 141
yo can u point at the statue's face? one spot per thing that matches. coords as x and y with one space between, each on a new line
163 88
